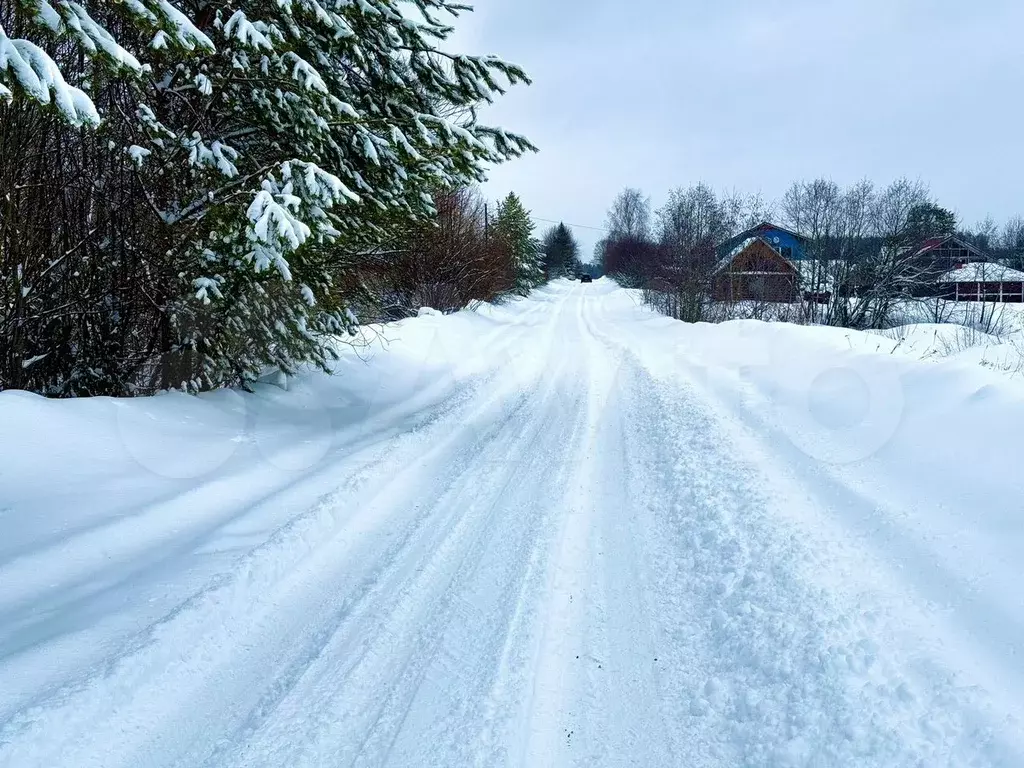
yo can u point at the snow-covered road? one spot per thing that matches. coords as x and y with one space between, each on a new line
564 532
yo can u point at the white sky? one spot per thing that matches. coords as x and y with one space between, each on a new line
754 94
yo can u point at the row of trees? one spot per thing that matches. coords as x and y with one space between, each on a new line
859 242
460 256
192 192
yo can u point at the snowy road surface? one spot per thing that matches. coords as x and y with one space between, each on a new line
563 532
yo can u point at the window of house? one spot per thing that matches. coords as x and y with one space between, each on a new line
787 252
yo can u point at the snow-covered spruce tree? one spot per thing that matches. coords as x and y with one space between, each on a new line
514 230
321 130
267 160
64 327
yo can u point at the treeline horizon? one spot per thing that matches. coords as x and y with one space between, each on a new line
859 235
816 204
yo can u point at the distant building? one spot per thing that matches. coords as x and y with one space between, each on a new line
938 255
923 265
755 270
760 264
772 263
983 281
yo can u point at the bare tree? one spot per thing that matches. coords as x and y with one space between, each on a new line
860 262
630 216
690 226
628 252
1012 236
754 210
696 216
984 234
1010 243
890 275
894 209
444 264
815 209
839 226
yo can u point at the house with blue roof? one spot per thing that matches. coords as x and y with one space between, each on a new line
791 245
761 264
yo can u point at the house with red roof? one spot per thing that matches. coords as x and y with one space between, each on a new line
939 255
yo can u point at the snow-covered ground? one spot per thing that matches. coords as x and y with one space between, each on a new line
988 334
564 531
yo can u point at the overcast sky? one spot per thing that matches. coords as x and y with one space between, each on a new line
754 94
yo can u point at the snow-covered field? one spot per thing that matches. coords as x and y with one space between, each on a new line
564 531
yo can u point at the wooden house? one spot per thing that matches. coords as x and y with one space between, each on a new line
754 270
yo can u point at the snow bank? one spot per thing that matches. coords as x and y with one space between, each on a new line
173 437
101 499
989 317
942 341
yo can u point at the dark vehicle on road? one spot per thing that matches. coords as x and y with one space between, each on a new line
586 279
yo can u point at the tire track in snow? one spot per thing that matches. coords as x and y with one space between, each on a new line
479 618
591 674
114 694
362 723
624 721
127 692
169 524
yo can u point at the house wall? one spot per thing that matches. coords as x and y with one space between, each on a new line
749 287
1010 293
757 274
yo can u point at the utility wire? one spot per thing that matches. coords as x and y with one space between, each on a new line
580 226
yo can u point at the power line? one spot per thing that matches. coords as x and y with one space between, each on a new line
580 226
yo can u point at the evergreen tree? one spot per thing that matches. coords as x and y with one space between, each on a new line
561 252
928 220
258 145
514 229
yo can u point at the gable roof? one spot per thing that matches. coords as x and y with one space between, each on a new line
934 243
754 232
768 225
728 259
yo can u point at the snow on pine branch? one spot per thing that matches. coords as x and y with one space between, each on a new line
304 73
318 129
182 30
250 34
276 214
29 67
26 69
217 156
95 39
